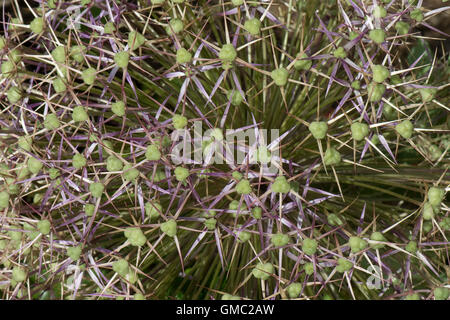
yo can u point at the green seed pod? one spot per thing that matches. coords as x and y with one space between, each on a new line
159 176
34 165
13 188
237 3
413 296
402 27
51 122
334 220
263 270
435 152
183 56
169 228
234 205
77 53
139 296
16 236
294 290
280 76
302 64
435 196
14 94
332 157
85 2
96 189
243 187
22 172
377 236
237 175
177 1
175 25
257 212
377 35
441 293
179 121
209 214
109 28
44 226
37 25
88 75
427 94
4 199
25 143
13 24
279 239
353 35
236 99
130 173
318 129
228 53
405 129
78 161
135 40
152 153
8 68
2 42
428 211
343 265
74 253
263 155
309 268
53 173
309 246
280 185
19 274
253 26
113 164
359 130
379 12
427 226
79 114
121 59
340 53
37 198
210 223
357 244
444 224
15 55
121 267
59 85
417 15
375 91
155 2
380 73
59 54
356 85
135 236
411 247
118 108
244 236
89 209
181 173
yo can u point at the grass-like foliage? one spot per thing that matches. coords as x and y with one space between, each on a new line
93 207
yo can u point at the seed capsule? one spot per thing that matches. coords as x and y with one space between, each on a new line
37 25
405 129
253 26
121 59
377 35
169 228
